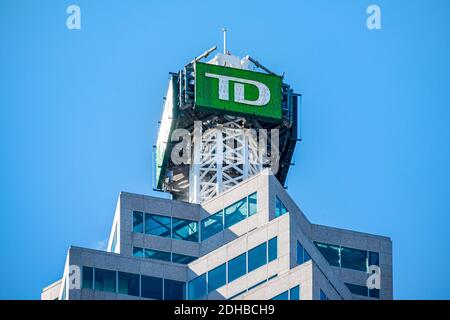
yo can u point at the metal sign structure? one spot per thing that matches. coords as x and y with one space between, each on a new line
227 109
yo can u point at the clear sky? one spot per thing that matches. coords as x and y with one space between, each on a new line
79 113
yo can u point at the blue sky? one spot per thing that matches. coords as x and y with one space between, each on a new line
79 113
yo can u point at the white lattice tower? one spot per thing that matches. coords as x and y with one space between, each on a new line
222 157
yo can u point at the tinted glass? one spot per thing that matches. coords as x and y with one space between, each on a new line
181 258
138 222
138 252
105 280
212 225
157 255
300 257
257 257
88 278
252 205
374 293
280 209
235 213
281 296
306 256
128 283
355 289
217 277
330 253
157 225
174 290
237 267
374 258
294 293
197 287
353 259
151 287
184 229
273 248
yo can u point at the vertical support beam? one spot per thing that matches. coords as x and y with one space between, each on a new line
194 172
219 159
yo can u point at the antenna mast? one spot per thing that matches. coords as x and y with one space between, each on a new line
224 30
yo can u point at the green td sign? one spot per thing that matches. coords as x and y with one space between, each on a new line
237 91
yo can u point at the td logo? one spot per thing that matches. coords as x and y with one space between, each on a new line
237 91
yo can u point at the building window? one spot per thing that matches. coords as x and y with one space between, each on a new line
217 277
374 258
302 255
252 204
88 278
273 249
353 259
374 293
197 287
280 209
237 267
294 293
128 283
330 252
235 213
174 290
356 289
157 225
212 225
138 222
138 252
282 296
257 257
323 296
151 287
184 229
105 280
181 258
157 255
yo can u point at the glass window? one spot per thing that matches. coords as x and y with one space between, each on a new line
138 252
323 296
281 296
128 283
330 252
174 290
353 259
217 277
294 293
280 209
138 222
252 204
181 258
273 248
151 287
157 255
105 280
212 225
299 253
374 293
197 287
257 257
157 225
374 258
184 229
88 278
355 289
306 256
237 267
235 213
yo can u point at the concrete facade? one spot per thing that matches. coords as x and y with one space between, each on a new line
315 277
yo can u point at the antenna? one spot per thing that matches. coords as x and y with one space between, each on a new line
224 30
